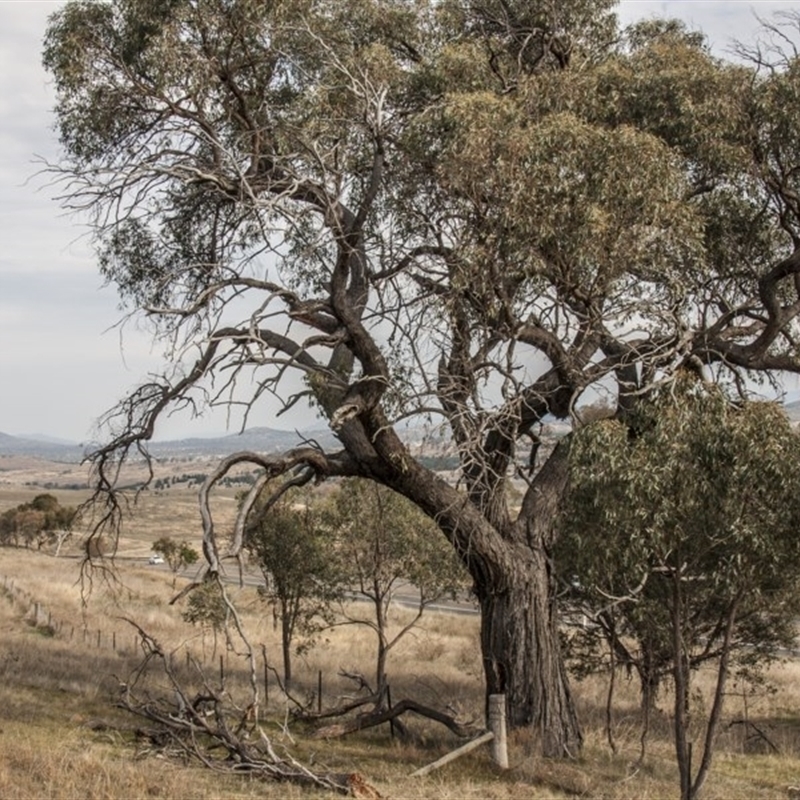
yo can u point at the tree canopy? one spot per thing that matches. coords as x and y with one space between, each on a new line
178 555
473 212
41 521
680 535
291 541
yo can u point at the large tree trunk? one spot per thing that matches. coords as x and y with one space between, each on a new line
522 655
513 581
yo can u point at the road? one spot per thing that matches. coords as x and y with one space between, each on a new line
406 596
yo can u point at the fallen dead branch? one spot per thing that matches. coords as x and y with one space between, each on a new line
453 755
207 726
382 711
307 715
381 716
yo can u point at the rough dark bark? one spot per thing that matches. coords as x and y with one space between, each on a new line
515 586
522 658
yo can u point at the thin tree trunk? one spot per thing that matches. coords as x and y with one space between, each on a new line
380 666
650 684
286 644
681 678
719 699
610 697
381 675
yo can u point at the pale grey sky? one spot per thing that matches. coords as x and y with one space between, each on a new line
62 363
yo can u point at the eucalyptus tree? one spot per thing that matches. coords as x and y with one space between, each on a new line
178 555
466 210
680 530
385 544
41 521
292 545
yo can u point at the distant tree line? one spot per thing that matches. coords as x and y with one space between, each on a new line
42 521
197 478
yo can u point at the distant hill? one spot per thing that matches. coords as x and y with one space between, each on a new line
261 440
432 447
423 442
793 410
52 450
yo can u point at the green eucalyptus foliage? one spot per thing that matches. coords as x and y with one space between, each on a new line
694 488
363 541
559 163
384 545
291 542
206 607
384 542
178 555
37 522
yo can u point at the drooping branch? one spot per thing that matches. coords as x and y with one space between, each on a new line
312 462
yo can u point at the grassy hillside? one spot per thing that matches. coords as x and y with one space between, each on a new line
64 654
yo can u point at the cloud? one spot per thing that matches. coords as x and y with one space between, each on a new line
60 365
723 21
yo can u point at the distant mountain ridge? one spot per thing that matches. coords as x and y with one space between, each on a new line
259 440
30 446
262 440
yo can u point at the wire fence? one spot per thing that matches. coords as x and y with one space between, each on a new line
225 668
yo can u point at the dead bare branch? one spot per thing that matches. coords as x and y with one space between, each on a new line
201 726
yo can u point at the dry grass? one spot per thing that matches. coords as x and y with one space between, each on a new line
57 686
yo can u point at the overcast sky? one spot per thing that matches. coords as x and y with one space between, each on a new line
62 360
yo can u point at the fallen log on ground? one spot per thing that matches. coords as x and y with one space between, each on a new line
381 716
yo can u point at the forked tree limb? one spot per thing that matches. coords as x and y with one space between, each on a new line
364 721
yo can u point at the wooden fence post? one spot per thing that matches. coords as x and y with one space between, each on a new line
497 725
266 677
